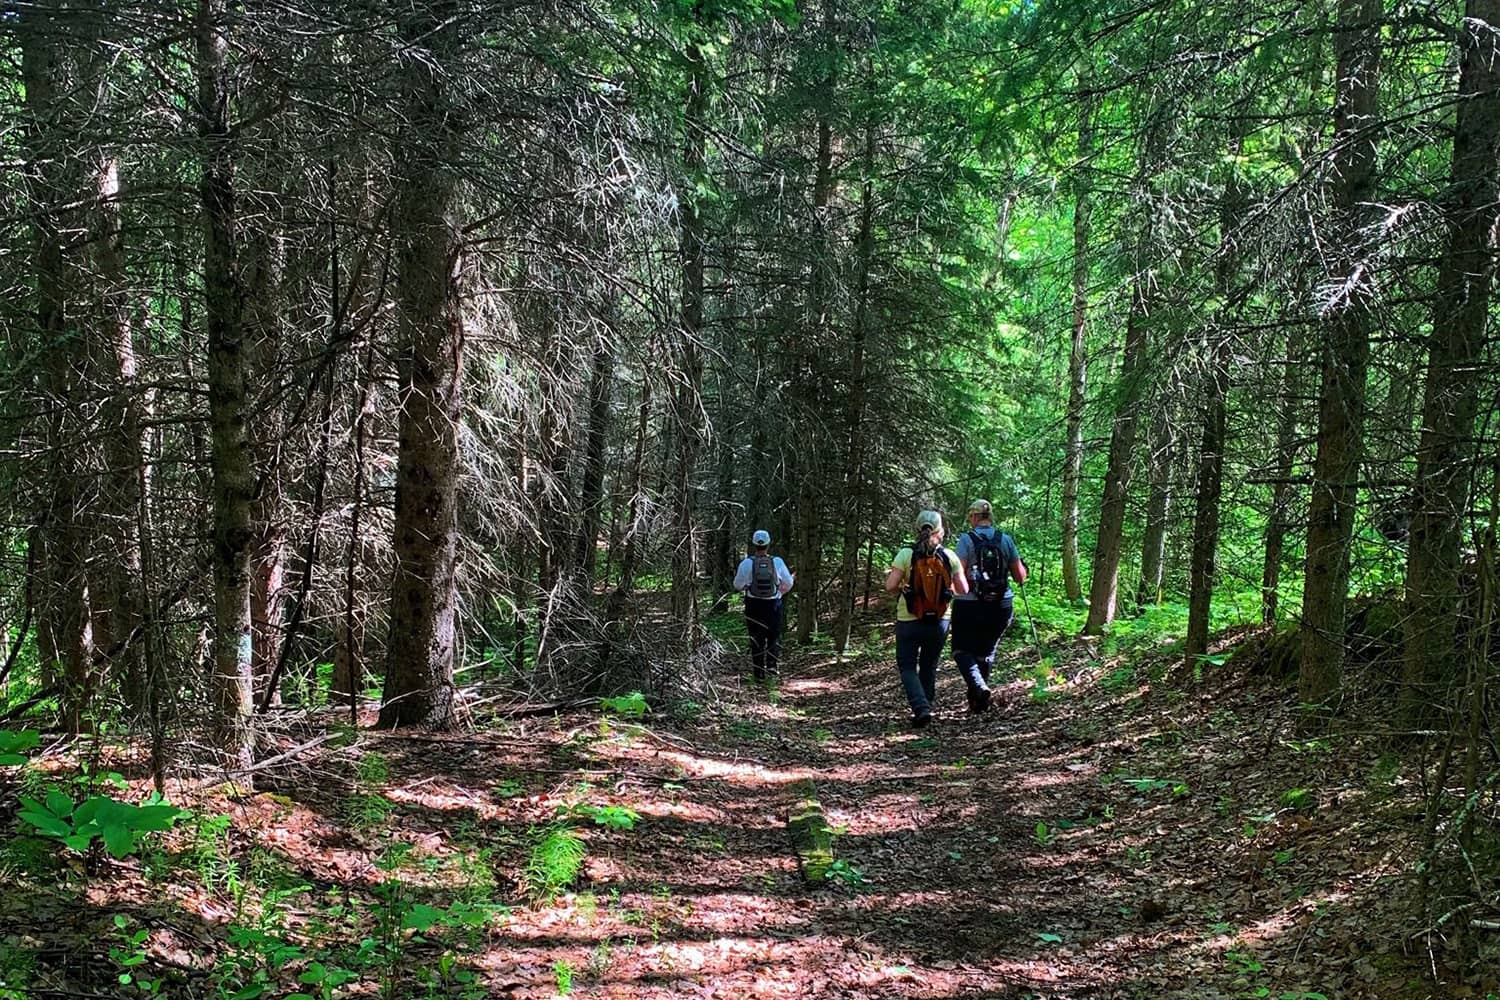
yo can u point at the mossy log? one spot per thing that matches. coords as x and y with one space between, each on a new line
812 837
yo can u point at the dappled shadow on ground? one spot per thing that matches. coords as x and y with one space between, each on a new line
1104 837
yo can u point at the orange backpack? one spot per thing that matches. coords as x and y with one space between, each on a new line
929 583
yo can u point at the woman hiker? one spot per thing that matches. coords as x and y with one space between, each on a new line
926 575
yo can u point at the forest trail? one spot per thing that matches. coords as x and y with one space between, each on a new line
1112 832
1082 842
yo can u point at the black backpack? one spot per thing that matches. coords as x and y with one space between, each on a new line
989 570
763 582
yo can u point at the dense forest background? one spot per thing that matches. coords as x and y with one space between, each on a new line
389 350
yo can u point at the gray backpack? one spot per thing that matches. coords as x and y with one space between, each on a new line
763 583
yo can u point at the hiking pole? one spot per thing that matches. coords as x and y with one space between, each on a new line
1035 641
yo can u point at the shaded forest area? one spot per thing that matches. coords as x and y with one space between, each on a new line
424 367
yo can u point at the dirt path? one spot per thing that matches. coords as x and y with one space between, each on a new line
1107 835
1077 844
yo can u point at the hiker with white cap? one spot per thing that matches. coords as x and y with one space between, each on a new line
980 617
763 579
927 576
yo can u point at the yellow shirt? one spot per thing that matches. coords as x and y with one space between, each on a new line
902 561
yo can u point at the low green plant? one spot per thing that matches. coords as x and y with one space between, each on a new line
846 875
610 817
121 826
510 788
1299 799
130 954
17 969
13 746
629 706
324 979
562 972
1042 834
554 862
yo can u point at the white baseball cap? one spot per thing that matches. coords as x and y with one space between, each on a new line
761 538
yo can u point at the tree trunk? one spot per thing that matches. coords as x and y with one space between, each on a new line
233 479
1104 586
1346 353
1078 354
1160 463
1283 492
809 487
688 404
264 254
124 445
429 232
854 435
1202 573
591 493
1456 349
64 636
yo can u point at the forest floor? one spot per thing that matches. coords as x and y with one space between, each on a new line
1103 834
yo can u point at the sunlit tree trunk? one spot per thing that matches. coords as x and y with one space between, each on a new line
1456 349
1078 353
1346 352
1104 585
124 444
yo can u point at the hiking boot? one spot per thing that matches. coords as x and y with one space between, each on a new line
979 701
921 719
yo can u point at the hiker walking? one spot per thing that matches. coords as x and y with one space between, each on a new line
981 616
763 578
926 576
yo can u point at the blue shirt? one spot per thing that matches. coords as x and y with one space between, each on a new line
1008 552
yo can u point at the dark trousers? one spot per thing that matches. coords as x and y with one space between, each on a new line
977 629
919 646
763 619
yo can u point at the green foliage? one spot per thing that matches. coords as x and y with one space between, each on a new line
562 973
610 817
846 875
629 706
130 954
120 826
554 863
13 745
1299 799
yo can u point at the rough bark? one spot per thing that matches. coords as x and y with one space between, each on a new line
123 442
1283 491
591 492
1077 354
428 229
1161 461
687 403
1455 351
1203 567
854 436
1346 353
1104 585
64 634
233 479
